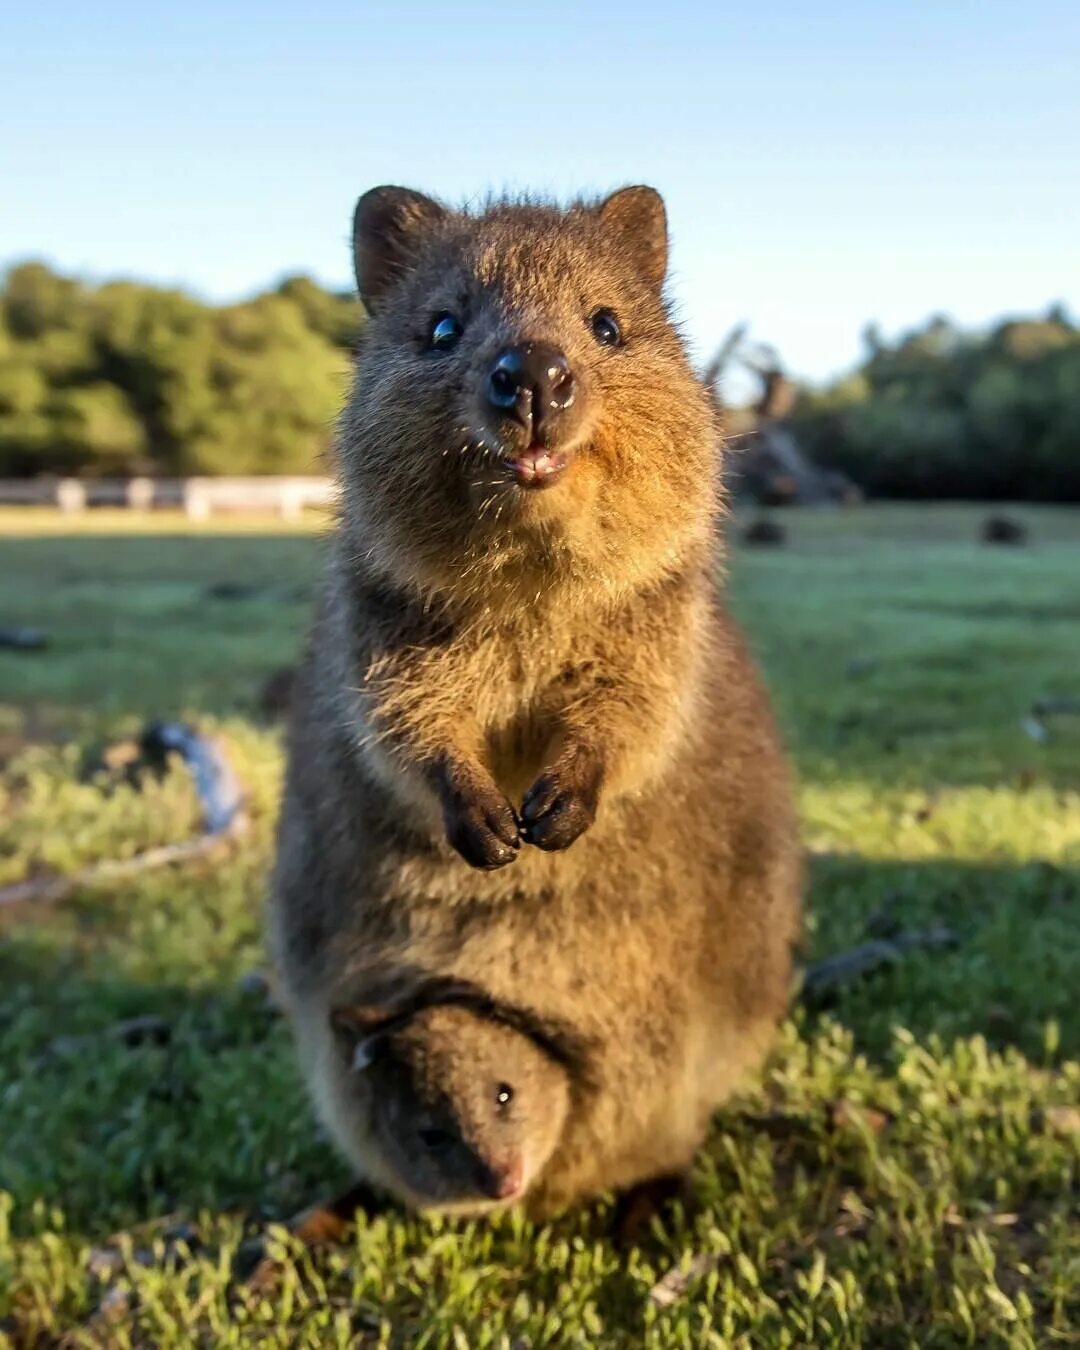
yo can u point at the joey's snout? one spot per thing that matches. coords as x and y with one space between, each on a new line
533 395
503 1181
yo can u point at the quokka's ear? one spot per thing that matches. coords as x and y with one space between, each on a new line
389 226
638 217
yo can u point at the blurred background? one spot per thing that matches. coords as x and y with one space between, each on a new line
875 218
886 196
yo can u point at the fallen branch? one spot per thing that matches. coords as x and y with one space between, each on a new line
676 1282
153 1029
219 792
823 979
1034 724
146 1029
50 890
1056 707
23 639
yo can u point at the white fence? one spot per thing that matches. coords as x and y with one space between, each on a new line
198 498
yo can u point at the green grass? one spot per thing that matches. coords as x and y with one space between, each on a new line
907 1173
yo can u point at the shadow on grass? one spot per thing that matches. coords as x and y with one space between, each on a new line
201 1110
1013 970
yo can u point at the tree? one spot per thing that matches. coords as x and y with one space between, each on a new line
123 378
943 413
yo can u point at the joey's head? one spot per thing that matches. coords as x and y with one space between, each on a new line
523 407
462 1110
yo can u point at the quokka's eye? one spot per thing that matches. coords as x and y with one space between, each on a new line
446 331
504 1095
605 328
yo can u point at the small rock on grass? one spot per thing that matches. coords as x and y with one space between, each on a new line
764 533
1003 530
232 590
860 666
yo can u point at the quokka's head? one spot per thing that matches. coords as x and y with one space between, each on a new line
523 412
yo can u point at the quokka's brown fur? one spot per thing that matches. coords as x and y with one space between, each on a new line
475 639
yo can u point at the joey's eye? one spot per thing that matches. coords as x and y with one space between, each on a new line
446 331
436 1140
605 328
504 1095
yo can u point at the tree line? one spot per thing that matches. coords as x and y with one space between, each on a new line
125 378
946 413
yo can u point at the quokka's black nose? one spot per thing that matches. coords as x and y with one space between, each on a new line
531 383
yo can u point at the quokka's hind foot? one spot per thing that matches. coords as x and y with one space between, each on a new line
320 1225
637 1207
327 1223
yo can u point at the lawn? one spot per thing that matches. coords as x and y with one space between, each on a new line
907 1171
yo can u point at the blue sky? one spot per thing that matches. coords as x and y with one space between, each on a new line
824 165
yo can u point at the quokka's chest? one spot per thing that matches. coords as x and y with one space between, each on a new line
498 680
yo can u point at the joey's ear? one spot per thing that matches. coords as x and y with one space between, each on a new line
389 225
637 215
363 1030
361 1019
390 1004
364 1052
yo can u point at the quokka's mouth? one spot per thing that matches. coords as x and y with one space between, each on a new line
537 467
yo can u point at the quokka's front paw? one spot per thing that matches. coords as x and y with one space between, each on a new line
481 825
561 804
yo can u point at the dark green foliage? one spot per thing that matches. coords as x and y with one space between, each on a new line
945 413
126 378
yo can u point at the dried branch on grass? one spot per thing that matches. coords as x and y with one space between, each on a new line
220 794
823 980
